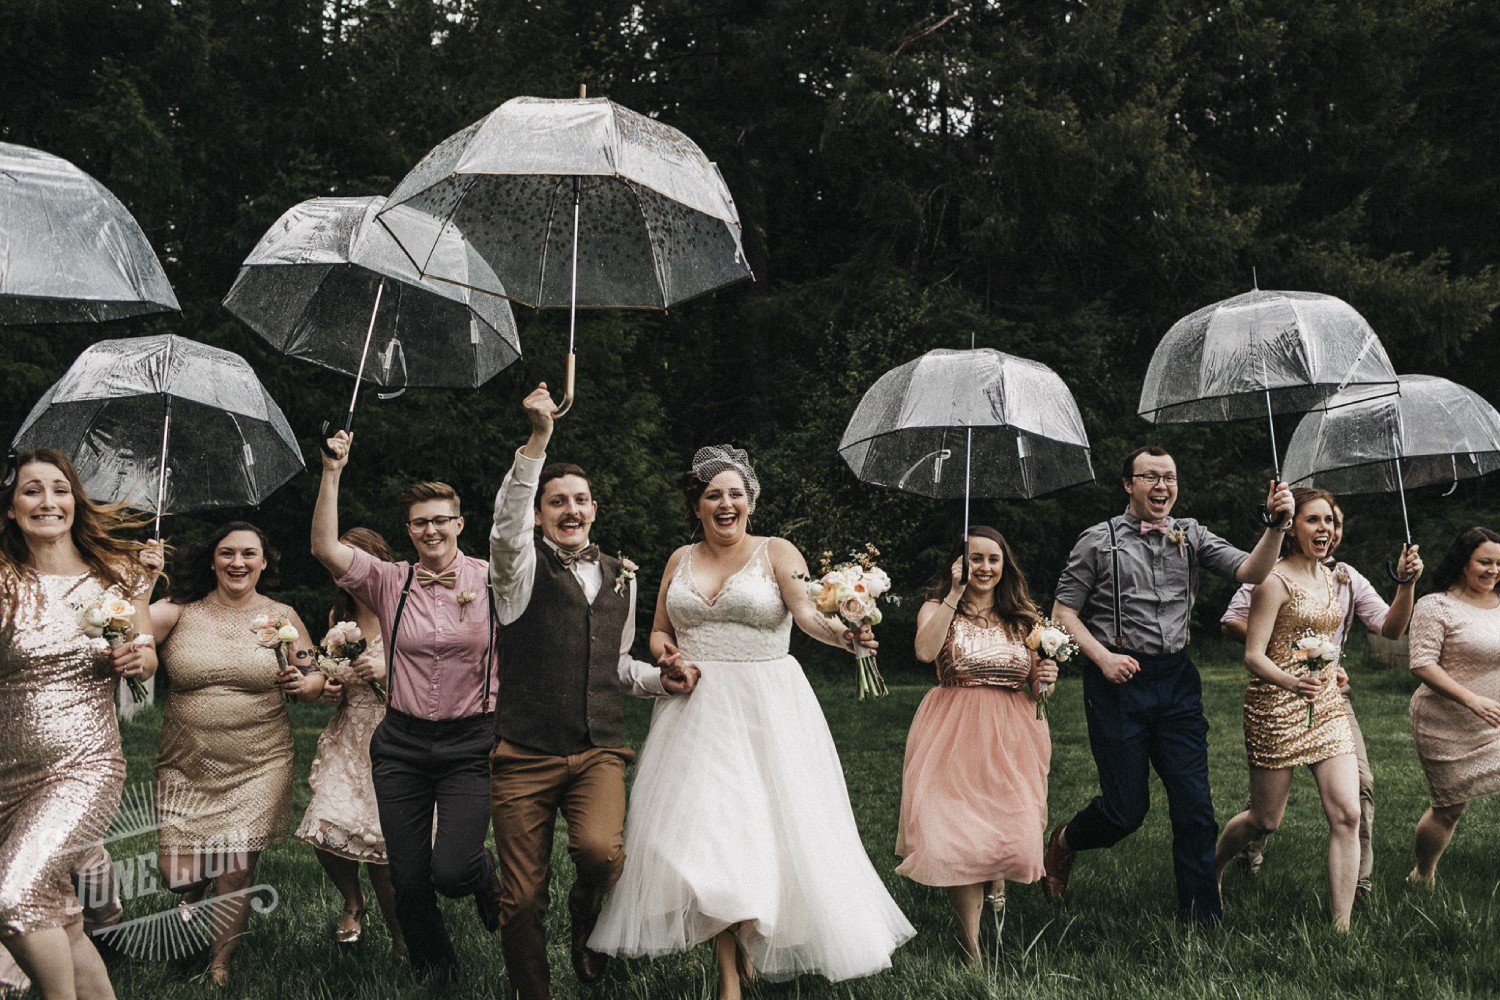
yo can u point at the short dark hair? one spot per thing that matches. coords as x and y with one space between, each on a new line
1451 569
421 492
556 470
1154 450
196 579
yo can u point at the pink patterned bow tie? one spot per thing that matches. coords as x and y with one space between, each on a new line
447 578
1147 527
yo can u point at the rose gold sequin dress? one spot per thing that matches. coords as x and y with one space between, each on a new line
1460 753
61 769
1276 731
224 767
342 817
974 785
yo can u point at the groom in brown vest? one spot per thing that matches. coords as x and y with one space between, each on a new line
567 615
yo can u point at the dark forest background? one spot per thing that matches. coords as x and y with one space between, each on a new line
1058 179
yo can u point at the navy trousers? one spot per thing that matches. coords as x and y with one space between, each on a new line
420 766
1155 719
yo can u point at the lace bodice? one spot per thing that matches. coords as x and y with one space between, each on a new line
746 620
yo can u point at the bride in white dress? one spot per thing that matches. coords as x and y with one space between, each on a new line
739 826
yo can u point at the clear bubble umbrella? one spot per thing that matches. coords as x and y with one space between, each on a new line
570 203
1431 431
325 283
69 251
975 423
1263 353
112 412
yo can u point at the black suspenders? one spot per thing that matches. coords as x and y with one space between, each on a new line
1114 558
489 647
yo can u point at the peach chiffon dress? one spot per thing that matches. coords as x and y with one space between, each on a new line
974 786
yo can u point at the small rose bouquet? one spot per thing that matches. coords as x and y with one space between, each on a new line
273 632
112 620
1317 651
342 646
849 592
1050 641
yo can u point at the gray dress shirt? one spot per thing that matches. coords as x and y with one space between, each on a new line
1158 580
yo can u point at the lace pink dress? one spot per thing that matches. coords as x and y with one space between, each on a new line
342 817
974 785
1460 754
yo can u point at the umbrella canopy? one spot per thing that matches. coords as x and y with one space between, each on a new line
112 412
1289 351
310 284
655 223
69 251
1432 431
969 423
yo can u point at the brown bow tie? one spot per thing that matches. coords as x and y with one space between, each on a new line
589 553
447 578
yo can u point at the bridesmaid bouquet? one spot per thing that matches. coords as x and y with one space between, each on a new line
342 646
1317 651
112 619
272 632
849 592
1049 640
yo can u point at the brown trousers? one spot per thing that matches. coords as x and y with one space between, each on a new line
527 791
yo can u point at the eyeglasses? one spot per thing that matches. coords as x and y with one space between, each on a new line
441 521
1152 478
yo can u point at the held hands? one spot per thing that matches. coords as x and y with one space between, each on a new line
1046 672
336 451
129 659
677 677
1117 668
1279 503
1410 565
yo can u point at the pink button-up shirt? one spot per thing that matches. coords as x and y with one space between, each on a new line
439 666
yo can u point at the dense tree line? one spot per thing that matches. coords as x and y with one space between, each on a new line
1061 179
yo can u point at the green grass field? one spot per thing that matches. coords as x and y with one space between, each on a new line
1114 936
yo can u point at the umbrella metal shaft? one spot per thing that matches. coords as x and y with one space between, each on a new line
567 401
364 353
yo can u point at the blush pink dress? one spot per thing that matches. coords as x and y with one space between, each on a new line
974 786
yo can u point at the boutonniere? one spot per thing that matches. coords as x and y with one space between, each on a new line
1342 576
464 598
1178 537
627 574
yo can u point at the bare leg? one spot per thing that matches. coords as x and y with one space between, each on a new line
385 895
344 874
725 947
46 956
1268 794
238 874
967 902
1338 787
1434 831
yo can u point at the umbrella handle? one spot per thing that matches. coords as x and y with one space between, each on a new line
323 435
1390 570
1267 518
567 400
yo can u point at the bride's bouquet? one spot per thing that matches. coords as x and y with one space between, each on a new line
1048 639
272 632
341 647
849 592
112 620
1317 651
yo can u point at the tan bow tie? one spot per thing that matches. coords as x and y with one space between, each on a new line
447 578
589 553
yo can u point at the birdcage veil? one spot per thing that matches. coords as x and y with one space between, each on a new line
716 458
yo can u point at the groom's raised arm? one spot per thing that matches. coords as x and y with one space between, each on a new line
512 545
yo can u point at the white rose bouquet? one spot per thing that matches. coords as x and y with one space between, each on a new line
1049 640
849 592
342 646
273 632
112 621
1317 651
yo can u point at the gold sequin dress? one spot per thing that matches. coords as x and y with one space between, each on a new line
1276 731
61 769
224 767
